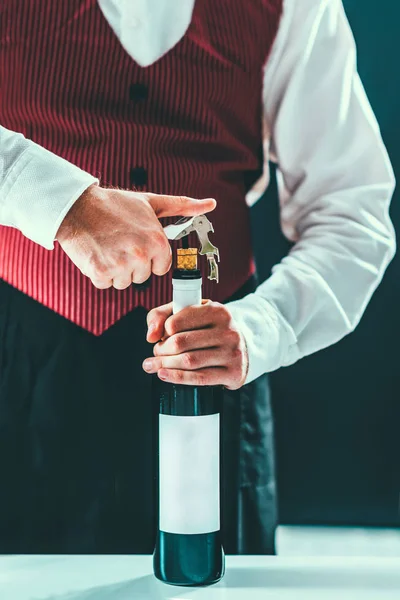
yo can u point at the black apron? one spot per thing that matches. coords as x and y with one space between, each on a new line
77 447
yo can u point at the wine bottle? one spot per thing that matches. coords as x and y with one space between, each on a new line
188 549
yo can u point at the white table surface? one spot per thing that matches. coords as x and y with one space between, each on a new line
247 578
300 540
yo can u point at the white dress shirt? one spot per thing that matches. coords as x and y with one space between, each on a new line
335 179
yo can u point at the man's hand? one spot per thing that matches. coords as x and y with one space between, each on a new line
115 238
199 345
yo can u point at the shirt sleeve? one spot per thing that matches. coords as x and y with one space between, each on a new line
37 187
335 183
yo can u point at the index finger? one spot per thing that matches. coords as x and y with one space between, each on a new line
190 318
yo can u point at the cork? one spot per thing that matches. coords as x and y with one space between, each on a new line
187 258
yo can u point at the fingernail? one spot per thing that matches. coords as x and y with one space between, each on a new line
162 375
148 364
150 329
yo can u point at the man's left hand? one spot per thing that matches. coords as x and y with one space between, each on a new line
199 345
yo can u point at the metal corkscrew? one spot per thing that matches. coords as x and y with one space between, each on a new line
202 226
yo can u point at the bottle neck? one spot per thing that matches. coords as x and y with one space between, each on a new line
186 290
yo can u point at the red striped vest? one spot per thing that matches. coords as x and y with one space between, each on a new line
190 124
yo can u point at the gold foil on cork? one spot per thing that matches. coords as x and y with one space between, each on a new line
187 259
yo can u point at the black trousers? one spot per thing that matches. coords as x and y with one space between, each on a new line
77 441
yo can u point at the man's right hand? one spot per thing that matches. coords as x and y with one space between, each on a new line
114 237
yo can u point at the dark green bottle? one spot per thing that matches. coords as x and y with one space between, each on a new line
188 549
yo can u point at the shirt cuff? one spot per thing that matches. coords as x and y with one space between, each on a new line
271 342
39 191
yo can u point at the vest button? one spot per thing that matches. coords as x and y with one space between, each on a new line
138 92
138 176
143 286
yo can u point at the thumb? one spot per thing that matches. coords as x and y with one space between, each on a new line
155 322
173 206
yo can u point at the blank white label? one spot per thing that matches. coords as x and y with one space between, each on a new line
189 474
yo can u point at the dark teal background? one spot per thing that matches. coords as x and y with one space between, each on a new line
338 412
